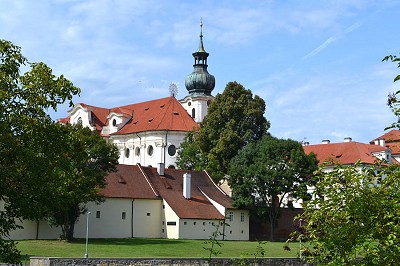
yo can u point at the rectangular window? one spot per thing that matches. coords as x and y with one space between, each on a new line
230 216
242 216
148 214
97 214
194 223
123 215
185 223
171 223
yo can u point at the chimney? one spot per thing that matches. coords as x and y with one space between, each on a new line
348 139
306 143
326 141
160 169
186 185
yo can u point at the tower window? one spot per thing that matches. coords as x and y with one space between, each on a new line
194 113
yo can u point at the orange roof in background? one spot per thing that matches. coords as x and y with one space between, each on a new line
135 181
391 136
392 140
344 153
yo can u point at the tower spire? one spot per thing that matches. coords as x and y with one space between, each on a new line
201 46
200 82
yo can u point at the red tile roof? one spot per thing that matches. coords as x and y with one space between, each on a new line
128 182
135 181
161 114
391 136
156 115
344 153
392 140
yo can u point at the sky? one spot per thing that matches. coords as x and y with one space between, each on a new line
317 64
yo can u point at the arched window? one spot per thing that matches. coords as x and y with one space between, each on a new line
114 122
127 152
79 122
193 113
171 167
137 151
150 150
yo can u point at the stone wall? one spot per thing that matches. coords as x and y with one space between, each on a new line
163 262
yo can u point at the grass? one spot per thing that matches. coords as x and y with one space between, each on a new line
153 248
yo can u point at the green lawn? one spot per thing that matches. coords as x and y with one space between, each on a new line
140 247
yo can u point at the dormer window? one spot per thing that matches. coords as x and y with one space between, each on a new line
79 122
114 122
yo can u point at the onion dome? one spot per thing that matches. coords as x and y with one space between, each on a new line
200 82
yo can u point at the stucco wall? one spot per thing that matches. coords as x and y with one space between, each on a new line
239 225
139 145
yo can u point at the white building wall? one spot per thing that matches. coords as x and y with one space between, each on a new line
149 148
170 222
147 218
239 225
199 228
198 104
106 219
35 230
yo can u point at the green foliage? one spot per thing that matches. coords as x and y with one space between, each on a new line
234 119
24 100
353 217
214 241
190 156
267 171
80 160
393 100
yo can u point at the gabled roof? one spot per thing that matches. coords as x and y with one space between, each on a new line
345 152
135 181
156 115
392 140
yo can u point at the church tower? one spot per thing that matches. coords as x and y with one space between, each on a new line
199 84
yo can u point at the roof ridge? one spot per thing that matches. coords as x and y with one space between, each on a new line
148 180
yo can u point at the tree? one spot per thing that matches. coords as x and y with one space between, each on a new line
77 161
353 217
190 156
266 172
24 100
235 118
393 100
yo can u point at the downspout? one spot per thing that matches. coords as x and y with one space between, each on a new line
165 148
140 147
132 224
37 229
